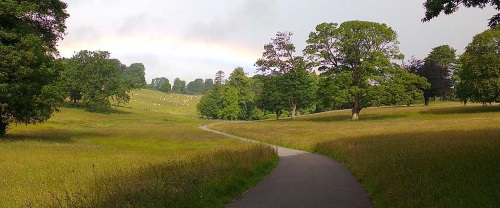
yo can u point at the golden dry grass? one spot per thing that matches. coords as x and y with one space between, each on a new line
445 155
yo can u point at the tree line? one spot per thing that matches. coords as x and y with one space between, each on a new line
354 61
196 87
354 65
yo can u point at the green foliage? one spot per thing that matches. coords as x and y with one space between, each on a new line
243 84
102 81
160 84
195 87
357 56
220 103
479 77
29 32
437 68
208 85
434 8
297 86
404 87
179 86
134 76
209 104
272 94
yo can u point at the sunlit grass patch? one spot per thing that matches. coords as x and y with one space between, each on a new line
444 155
128 155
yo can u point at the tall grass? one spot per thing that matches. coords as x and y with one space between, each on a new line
446 155
132 156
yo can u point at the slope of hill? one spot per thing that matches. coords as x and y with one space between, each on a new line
139 155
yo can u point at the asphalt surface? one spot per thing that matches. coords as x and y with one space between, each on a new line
303 179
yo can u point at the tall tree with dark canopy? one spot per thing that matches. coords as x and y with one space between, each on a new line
437 68
195 87
435 7
179 86
29 31
134 75
208 85
220 78
161 84
357 56
278 59
479 77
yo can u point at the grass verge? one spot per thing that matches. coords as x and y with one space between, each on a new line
446 155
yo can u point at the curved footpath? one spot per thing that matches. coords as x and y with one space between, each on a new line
303 179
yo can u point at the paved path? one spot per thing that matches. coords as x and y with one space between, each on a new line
303 179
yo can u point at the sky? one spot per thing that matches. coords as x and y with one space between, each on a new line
192 39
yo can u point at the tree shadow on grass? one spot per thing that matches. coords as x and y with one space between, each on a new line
51 136
464 110
362 117
114 110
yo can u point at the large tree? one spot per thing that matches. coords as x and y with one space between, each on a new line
134 75
29 31
195 87
161 84
435 7
479 76
357 56
179 86
97 78
278 59
437 68
243 84
208 85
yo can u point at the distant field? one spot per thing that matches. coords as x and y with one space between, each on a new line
150 153
443 155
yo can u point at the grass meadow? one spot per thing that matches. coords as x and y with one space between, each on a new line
443 155
150 153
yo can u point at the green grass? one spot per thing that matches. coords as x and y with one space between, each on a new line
143 155
444 155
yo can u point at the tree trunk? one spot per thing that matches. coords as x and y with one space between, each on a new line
426 100
4 124
355 110
294 108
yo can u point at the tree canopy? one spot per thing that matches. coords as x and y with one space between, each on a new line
357 56
479 76
29 31
102 79
195 87
290 70
179 86
437 68
435 7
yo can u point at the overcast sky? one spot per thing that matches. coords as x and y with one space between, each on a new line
193 39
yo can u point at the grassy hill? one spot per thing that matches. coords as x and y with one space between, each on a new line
444 155
150 153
